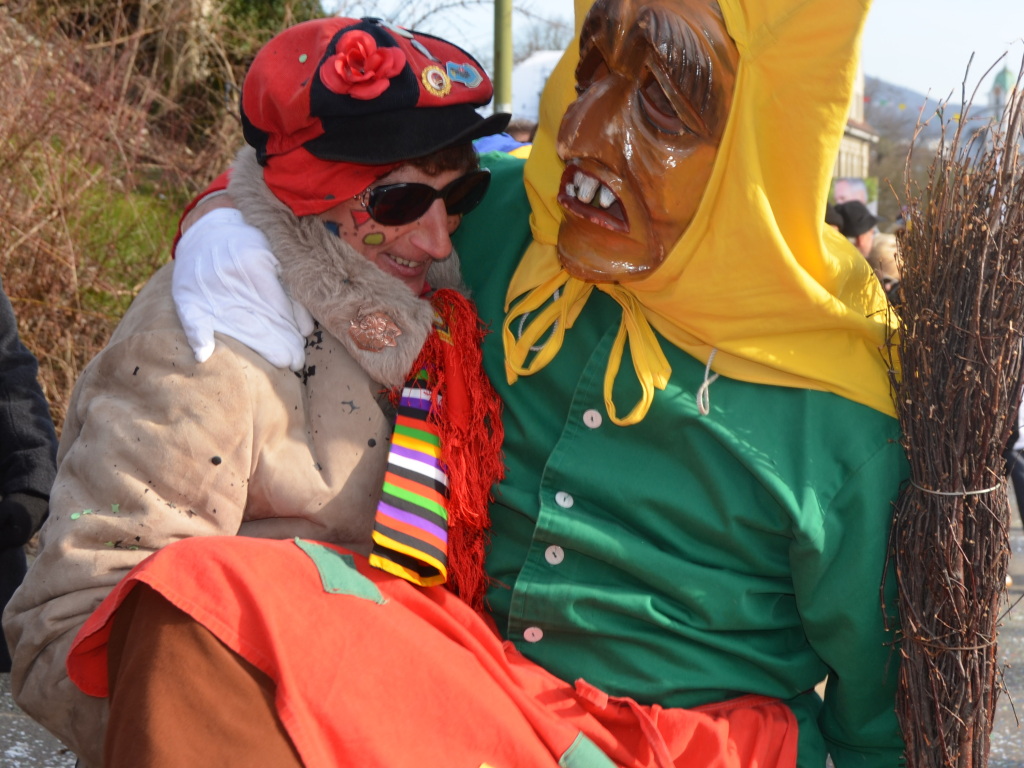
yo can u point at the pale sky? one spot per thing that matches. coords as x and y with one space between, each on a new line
922 45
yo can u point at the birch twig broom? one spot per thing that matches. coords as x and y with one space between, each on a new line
959 345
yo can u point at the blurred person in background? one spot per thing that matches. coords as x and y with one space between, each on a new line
28 448
833 218
884 260
858 224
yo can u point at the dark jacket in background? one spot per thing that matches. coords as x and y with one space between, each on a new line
28 449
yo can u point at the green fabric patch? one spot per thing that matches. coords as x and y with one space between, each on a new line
338 572
583 753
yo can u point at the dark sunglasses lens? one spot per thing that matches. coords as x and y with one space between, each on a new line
395 204
465 193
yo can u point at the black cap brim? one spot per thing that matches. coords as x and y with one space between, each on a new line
390 137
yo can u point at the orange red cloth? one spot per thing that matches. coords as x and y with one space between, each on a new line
370 669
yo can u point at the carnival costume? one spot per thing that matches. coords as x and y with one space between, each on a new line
683 545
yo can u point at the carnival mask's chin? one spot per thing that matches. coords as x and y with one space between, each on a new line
595 240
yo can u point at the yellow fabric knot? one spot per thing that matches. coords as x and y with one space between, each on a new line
649 362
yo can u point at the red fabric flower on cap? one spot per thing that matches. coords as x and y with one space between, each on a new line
359 68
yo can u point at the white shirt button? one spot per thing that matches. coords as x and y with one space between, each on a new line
563 499
592 418
533 634
554 554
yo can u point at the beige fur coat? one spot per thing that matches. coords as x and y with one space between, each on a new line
157 447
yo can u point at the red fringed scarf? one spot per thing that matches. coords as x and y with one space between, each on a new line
448 411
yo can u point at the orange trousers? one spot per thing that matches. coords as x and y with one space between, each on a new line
331 662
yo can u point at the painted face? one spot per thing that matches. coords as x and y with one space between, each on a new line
406 250
655 83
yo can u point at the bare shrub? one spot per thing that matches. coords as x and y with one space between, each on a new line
90 188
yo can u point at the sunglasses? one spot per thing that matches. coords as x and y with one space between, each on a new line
396 204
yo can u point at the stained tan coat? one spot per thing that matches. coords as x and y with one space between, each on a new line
157 447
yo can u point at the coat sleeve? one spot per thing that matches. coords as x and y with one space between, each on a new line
152 451
27 440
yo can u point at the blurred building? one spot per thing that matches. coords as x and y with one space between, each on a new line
855 149
1004 86
988 120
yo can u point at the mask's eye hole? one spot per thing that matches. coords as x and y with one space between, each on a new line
590 69
658 109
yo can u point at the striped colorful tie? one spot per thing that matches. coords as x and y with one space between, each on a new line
410 532
445 456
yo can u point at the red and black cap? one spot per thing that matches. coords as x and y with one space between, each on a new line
363 91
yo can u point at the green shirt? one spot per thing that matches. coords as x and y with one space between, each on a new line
689 559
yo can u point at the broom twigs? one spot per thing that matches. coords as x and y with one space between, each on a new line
959 350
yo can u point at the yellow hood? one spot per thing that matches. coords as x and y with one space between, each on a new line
757 277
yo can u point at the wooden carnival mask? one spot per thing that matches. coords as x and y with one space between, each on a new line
655 83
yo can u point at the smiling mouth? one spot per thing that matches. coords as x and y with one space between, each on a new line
585 196
406 263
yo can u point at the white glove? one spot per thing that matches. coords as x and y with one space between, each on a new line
226 281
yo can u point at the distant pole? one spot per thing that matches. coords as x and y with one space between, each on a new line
502 55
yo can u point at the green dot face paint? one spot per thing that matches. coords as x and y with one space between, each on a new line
374 238
302 59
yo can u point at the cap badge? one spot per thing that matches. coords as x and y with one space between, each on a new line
423 49
401 32
466 74
436 81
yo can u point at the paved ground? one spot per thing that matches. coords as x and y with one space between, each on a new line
1008 733
24 744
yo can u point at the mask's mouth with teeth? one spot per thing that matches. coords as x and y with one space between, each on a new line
586 196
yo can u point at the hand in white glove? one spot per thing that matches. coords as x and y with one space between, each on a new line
226 281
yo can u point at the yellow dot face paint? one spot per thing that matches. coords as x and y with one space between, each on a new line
374 238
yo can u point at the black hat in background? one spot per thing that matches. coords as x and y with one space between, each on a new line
833 218
857 219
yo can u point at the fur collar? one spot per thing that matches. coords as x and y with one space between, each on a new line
334 281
